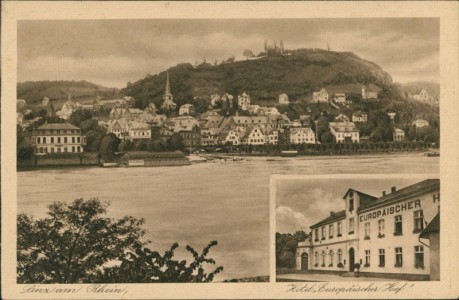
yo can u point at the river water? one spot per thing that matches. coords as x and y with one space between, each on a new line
227 202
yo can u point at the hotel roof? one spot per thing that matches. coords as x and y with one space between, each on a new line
409 191
332 218
58 126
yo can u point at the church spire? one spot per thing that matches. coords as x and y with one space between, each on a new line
168 86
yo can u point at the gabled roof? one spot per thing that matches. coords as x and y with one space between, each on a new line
409 191
432 227
332 218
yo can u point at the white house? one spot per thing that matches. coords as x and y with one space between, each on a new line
340 98
320 96
255 136
369 94
420 123
342 118
302 135
359 117
138 131
186 110
398 135
344 132
383 234
243 101
283 99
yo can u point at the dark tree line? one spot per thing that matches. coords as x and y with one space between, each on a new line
286 245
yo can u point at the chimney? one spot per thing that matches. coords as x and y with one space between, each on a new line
393 189
384 193
332 213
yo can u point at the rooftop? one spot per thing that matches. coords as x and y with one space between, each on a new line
432 227
58 126
333 217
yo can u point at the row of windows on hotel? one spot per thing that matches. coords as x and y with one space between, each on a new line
398 258
58 140
73 149
398 227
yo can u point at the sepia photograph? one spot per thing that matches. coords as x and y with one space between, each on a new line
144 147
259 150
358 229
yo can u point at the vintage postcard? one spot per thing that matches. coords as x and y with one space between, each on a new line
229 150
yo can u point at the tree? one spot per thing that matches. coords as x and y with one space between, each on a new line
175 142
248 53
144 265
72 243
108 146
286 244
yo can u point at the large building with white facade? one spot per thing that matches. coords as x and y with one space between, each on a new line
58 138
382 235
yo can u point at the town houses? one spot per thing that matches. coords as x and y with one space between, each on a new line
387 235
226 122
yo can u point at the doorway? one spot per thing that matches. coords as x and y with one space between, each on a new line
304 261
351 259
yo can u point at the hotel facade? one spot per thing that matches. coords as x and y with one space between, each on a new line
378 236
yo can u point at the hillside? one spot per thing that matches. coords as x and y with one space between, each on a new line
34 91
297 74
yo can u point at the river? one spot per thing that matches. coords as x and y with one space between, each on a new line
227 202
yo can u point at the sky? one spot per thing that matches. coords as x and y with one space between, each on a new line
301 203
113 52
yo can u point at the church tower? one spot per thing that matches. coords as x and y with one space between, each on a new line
168 98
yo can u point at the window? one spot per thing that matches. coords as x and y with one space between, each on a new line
73 139
65 149
436 198
316 234
331 258
419 257
367 231
59 150
340 227
398 257
398 225
58 140
73 148
323 233
367 258
381 228
78 139
351 204
340 256
52 149
316 259
65 139
323 258
418 221
382 258
38 140
330 230
351 225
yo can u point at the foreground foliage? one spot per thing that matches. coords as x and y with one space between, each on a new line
77 244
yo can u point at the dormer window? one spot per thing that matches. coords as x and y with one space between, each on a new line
351 204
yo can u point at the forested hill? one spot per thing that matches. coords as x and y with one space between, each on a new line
34 91
298 74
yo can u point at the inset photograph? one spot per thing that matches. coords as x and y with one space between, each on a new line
357 228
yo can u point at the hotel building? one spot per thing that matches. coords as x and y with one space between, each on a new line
378 236
58 138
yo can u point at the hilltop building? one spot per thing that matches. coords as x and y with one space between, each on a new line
58 138
382 234
168 98
44 101
67 109
398 134
320 96
302 135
